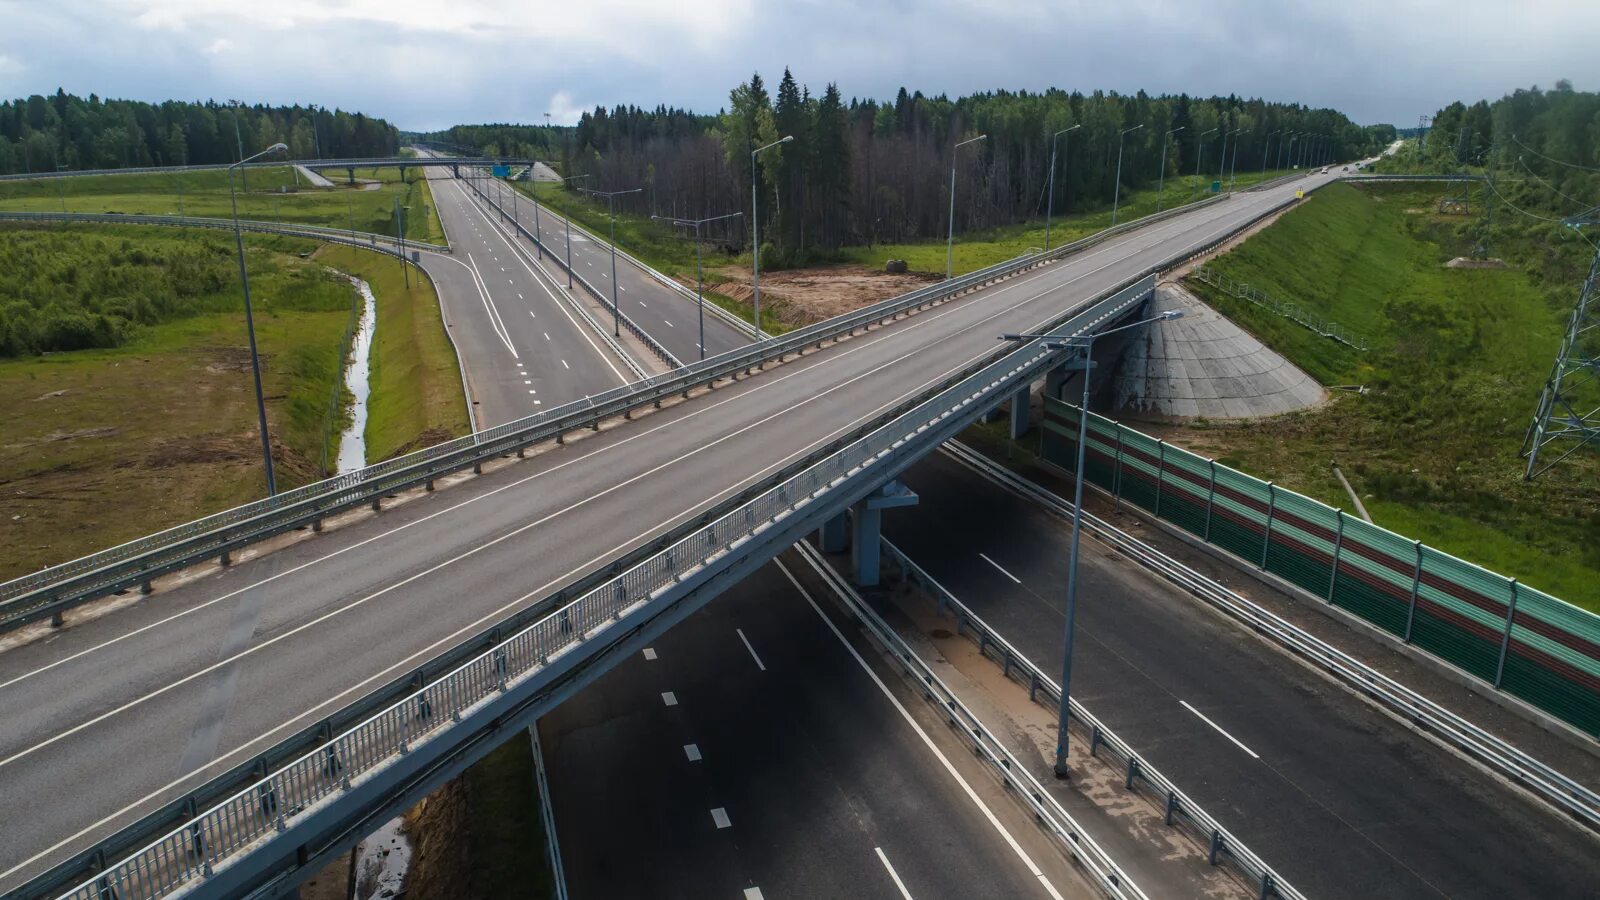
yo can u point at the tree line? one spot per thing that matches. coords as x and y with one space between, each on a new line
41 134
863 171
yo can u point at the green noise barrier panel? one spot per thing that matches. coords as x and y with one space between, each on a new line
1519 640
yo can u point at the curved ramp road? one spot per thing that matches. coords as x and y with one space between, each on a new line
124 711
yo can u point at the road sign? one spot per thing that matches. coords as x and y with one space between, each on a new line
502 171
1300 195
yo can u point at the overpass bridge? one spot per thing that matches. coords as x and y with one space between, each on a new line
453 163
583 551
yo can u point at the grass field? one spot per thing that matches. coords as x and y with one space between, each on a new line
1457 361
276 194
417 398
103 445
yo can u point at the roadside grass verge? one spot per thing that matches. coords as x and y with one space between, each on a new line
1457 359
104 445
417 398
275 194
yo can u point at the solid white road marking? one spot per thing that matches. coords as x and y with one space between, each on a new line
1236 741
669 698
564 364
720 817
753 894
520 297
692 751
546 335
1001 568
759 664
892 873
649 653
669 324
927 741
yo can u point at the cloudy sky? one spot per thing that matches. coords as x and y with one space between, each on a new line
429 65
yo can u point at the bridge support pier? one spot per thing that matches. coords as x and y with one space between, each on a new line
832 535
1019 411
866 517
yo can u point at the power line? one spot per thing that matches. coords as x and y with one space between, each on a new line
1552 159
1548 185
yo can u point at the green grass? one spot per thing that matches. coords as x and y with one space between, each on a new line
417 398
105 445
1457 360
274 195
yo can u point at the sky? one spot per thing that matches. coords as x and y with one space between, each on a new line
426 66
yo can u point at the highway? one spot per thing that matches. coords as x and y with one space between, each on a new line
202 674
810 757
668 316
1343 800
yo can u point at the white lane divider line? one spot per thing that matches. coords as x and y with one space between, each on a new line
546 335
644 304
759 664
669 698
720 817
1001 568
753 893
520 297
564 364
669 324
892 873
1236 741
649 653
692 751
531 315
622 287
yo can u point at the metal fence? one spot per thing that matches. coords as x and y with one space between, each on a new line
1291 311
1223 848
48 592
1047 810
1516 639
192 851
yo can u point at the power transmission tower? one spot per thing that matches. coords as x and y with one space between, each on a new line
1569 406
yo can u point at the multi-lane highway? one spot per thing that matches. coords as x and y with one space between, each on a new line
206 672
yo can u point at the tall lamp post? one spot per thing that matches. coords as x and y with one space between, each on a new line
699 272
399 239
755 236
611 206
250 322
1266 149
1233 167
1086 342
1161 183
1200 150
1291 135
950 236
1051 205
567 220
1222 165
1116 186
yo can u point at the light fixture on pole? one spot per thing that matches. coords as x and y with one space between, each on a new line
950 237
755 237
1116 185
1266 149
567 220
1086 342
1051 205
1200 150
250 322
611 206
1233 166
1161 183
699 272
1222 165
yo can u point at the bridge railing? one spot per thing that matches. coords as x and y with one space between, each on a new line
48 592
206 845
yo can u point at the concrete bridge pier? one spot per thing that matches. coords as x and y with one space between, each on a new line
1020 402
866 517
832 536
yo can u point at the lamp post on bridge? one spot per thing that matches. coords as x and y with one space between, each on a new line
1116 185
755 236
250 322
1051 205
1161 183
1062 342
611 206
699 274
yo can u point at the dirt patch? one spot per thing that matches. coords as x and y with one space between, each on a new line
49 395
202 449
823 292
1462 262
440 864
230 359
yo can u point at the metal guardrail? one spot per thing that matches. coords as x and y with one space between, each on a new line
1361 178
1181 812
48 592
1047 810
1561 791
1275 182
1294 312
202 847
363 239
367 162
605 301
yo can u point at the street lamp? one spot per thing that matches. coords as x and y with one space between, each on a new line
1161 183
1062 342
611 206
250 322
1050 207
950 237
567 220
1233 166
1222 166
1200 150
755 236
399 239
1116 187
699 276
1266 149
1292 136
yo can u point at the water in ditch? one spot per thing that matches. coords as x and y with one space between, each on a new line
353 442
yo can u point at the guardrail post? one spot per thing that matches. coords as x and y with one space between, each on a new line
1266 885
1172 805
1416 585
1338 544
1116 474
1161 473
1266 535
377 503
145 587
1216 845
1133 772
1505 639
224 558
1211 497
316 526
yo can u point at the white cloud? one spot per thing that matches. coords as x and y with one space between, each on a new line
161 18
218 47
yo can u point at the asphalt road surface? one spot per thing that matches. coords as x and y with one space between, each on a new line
203 673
